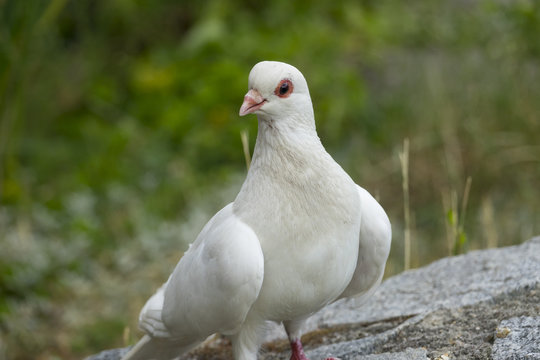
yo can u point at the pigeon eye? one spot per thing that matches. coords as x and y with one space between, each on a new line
284 89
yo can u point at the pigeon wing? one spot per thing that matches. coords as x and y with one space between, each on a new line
211 289
375 237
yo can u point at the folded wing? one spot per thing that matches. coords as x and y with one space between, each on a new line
211 289
375 239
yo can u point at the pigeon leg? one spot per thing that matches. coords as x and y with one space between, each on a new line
297 350
293 331
293 327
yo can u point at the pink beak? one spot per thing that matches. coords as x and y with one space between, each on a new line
253 101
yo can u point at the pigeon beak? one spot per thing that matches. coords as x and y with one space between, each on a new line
253 101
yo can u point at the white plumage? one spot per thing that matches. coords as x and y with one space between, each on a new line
299 235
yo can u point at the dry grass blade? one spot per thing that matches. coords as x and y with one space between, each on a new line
404 161
244 135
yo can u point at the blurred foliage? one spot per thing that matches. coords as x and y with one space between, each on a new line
119 136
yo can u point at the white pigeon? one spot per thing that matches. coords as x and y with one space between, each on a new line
299 236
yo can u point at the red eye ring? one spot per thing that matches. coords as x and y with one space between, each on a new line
284 88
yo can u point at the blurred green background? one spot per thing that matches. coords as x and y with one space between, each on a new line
120 137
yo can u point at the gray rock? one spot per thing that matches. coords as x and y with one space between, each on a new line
466 332
408 354
114 354
349 352
447 283
517 338
352 349
448 308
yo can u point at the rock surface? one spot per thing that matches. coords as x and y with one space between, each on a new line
456 307
517 338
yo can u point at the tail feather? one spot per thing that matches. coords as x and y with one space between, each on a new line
149 348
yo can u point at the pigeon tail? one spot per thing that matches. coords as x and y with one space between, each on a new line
149 348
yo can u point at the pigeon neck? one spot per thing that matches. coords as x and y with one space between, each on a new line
282 146
287 134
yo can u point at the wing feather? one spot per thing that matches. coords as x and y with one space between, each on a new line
212 287
375 238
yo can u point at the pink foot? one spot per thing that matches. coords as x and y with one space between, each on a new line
298 351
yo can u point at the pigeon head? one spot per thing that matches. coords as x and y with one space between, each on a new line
278 92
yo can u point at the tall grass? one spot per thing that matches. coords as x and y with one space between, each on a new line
244 136
404 162
456 238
